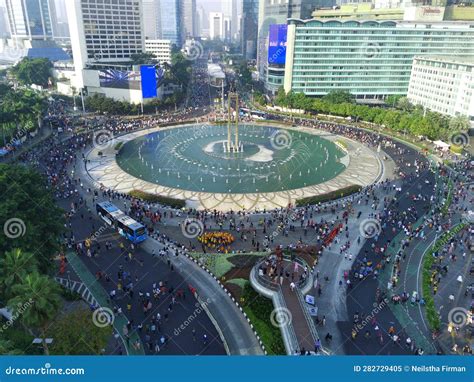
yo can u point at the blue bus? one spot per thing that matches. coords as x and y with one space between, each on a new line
126 226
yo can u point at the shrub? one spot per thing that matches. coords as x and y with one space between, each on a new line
333 195
153 198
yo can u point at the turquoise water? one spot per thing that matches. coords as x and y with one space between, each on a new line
194 158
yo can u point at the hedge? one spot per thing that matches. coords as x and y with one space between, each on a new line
333 195
432 315
259 310
153 198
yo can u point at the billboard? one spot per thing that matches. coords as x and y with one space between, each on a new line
111 78
277 44
148 81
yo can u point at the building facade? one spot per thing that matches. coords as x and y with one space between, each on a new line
443 84
152 19
371 59
278 12
171 12
190 18
160 48
216 25
31 19
249 29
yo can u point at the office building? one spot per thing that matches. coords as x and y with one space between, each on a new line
277 12
216 25
371 59
171 21
443 84
190 18
31 19
249 29
152 19
160 48
31 25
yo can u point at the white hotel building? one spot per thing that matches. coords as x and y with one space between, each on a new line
443 84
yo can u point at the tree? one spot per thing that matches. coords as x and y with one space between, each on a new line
7 348
392 99
76 334
459 123
404 104
44 294
14 267
339 96
29 215
33 71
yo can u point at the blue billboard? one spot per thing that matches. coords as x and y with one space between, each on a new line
277 44
149 83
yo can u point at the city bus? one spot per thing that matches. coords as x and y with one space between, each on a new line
131 229
126 226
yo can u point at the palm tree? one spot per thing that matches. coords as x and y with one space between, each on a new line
44 295
14 267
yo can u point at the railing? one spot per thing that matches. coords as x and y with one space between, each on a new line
292 340
309 320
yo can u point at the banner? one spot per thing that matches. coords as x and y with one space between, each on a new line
149 81
277 44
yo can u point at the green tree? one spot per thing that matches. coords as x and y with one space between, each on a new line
33 71
44 294
404 104
14 267
459 123
7 348
338 96
29 215
76 334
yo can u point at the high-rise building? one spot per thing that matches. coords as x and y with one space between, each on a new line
4 31
227 29
370 59
203 21
189 18
249 29
152 19
216 25
229 10
278 12
31 19
443 84
105 32
172 21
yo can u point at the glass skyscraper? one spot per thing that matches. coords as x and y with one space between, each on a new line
370 59
30 19
171 20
